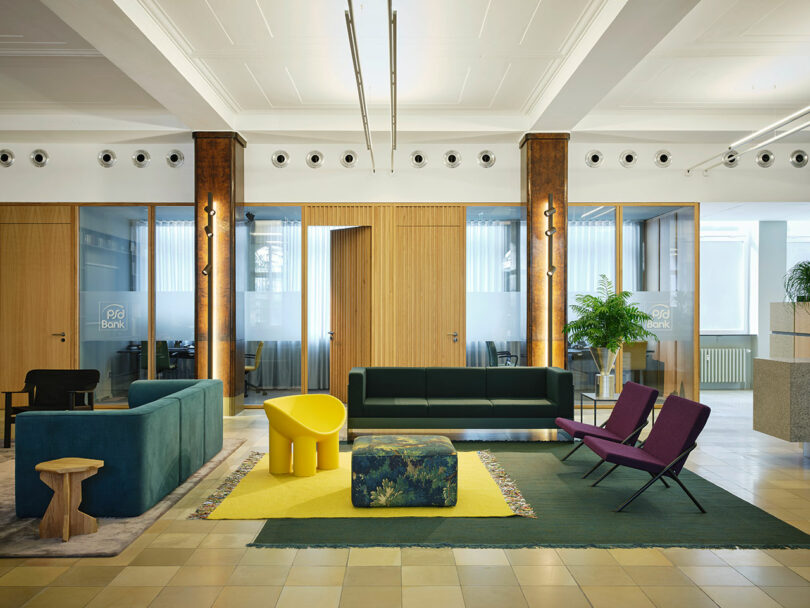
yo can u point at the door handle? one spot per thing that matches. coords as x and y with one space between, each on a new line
455 335
331 335
61 333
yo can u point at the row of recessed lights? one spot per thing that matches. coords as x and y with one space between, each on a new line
663 158
106 158
452 159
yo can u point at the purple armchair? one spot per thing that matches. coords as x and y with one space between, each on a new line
665 451
628 418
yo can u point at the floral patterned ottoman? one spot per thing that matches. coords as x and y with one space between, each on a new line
404 471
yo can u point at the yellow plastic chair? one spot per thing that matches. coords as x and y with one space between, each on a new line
308 423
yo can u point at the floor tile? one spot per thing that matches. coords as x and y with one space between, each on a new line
144 576
432 576
309 597
424 556
238 526
480 557
555 597
715 575
791 557
678 597
611 597
316 576
63 597
162 557
375 556
227 541
124 597
192 576
369 576
50 561
554 576
31 576
803 571
692 557
216 557
745 557
773 576
533 557
493 597
371 597
740 597
487 576
178 540
587 557
88 576
174 597
640 557
246 576
191 526
12 597
321 557
432 597
657 576
255 556
246 597
600 576
789 597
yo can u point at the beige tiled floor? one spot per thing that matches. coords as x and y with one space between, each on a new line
180 562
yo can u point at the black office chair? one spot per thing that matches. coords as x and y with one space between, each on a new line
52 389
494 356
163 359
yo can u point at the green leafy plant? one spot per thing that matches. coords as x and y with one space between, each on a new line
607 320
797 283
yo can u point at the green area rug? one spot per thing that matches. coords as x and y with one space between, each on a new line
570 513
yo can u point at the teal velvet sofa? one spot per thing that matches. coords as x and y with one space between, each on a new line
459 397
172 428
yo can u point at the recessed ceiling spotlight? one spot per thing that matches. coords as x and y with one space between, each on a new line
141 158
39 157
314 159
628 158
765 158
798 159
663 158
452 159
594 158
349 159
280 159
418 159
107 158
731 158
6 158
486 159
175 158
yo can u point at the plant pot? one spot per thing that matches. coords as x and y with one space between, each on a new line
605 360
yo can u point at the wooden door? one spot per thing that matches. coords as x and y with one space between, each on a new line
430 287
350 344
38 286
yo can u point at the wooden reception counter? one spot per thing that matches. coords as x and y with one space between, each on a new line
782 398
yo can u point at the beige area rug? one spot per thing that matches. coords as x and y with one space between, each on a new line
20 537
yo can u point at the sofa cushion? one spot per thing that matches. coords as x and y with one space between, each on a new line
395 382
524 408
465 407
516 383
394 407
454 382
192 429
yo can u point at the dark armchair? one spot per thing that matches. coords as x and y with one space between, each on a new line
494 356
52 389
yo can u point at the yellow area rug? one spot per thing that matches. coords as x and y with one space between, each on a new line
261 495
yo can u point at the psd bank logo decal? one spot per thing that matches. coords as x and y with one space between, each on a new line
661 318
112 316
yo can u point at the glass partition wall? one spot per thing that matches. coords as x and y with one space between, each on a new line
658 265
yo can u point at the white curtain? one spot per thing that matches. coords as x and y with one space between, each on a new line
632 256
319 303
591 253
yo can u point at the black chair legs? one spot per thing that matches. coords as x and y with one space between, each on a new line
593 468
576 447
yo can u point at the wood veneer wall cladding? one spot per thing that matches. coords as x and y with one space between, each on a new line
219 169
544 171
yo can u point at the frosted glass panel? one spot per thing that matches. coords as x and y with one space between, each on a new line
723 278
498 316
273 316
174 311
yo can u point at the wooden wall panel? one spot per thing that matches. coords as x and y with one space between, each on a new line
35 214
340 215
383 319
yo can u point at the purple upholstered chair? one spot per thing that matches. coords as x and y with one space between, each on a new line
624 425
664 452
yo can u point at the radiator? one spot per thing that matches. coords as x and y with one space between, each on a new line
724 365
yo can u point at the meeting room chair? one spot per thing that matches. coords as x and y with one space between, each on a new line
495 356
163 359
664 452
52 389
257 359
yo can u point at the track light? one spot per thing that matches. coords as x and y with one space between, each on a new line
206 270
208 232
358 77
551 231
551 211
550 272
209 210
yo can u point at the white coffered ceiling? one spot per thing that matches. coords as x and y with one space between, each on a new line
600 68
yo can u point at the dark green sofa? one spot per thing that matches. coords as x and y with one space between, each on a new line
172 428
459 397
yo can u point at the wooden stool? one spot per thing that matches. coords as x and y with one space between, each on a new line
64 476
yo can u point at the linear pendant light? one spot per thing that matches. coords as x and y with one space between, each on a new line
392 53
358 76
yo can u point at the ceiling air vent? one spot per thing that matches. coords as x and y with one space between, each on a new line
663 158
798 159
314 159
39 158
175 159
486 159
594 158
349 159
452 159
6 158
280 159
107 158
418 159
141 158
731 158
628 158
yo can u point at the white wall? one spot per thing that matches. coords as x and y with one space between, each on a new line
611 182
74 175
772 262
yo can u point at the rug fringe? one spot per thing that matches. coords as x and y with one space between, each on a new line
520 546
226 487
508 487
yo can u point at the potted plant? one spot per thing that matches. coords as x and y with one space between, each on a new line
605 322
797 283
